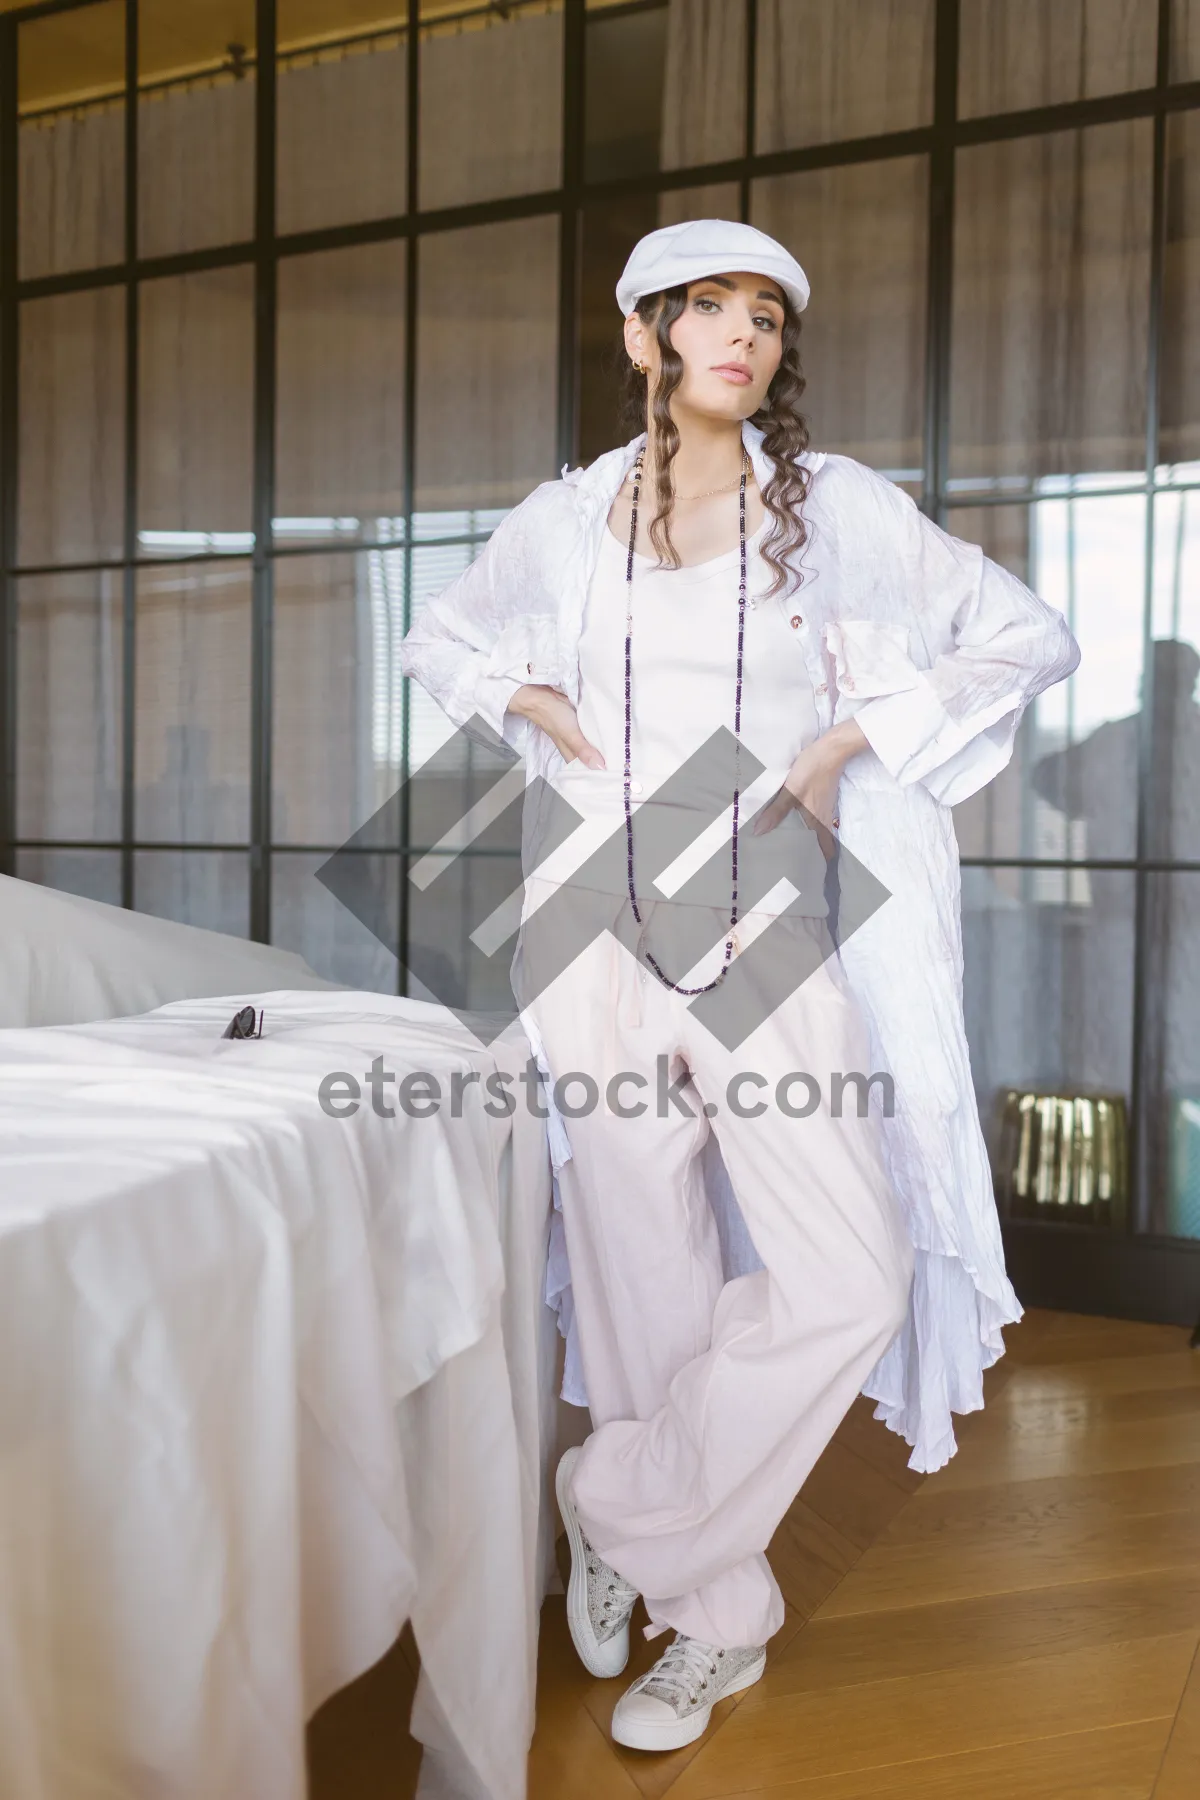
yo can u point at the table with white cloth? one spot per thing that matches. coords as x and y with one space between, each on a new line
272 1382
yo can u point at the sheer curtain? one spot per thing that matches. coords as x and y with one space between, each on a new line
486 404
1019 53
356 99
860 231
71 195
852 70
1052 250
1048 345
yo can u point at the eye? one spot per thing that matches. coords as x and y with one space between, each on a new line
706 300
765 322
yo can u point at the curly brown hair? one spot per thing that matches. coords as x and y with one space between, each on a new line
783 425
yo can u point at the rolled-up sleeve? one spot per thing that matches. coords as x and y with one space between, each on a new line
951 724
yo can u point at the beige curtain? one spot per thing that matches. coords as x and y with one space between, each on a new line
860 233
339 452
1020 53
1185 40
337 622
342 147
192 752
491 109
1052 265
1048 363
487 369
704 83
1180 423
71 464
195 393
856 69
69 642
196 166
71 195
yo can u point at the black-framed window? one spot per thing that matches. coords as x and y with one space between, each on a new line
298 297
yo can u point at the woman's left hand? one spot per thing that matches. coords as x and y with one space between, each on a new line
811 784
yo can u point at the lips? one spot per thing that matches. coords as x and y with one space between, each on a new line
738 373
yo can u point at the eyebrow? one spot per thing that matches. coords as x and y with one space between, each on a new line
763 293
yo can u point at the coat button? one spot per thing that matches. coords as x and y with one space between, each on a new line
529 668
848 684
821 688
797 621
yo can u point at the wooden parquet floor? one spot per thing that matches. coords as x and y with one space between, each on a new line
1023 1625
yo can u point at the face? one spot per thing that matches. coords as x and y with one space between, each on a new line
730 339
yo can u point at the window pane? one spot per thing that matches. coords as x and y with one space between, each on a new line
69 639
1185 40
826 73
1048 984
195 395
195 887
665 87
71 467
704 83
487 363
1019 53
491 108
1171 1055
193 704
1173 820
1180 427
94 874
342 100
1052 245
623 98
307 918
338 720
195 125
434 567
340 418
1070 790
71 83
860 232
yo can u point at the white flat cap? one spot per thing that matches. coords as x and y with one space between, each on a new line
677 254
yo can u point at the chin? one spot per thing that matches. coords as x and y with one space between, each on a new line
718 400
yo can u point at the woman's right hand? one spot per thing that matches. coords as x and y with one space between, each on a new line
550 708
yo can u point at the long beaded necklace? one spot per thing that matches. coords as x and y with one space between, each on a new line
675 986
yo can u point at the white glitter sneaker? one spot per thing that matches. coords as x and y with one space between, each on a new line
672 1703
599 1601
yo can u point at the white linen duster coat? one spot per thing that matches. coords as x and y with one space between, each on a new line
937 651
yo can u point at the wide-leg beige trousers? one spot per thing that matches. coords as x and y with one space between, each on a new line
712 1400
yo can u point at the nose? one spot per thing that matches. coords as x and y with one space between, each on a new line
742 329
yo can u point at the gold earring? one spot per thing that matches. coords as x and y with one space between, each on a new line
639 368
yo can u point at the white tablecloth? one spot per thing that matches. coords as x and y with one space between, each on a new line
270 1383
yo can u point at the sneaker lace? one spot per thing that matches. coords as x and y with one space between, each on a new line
619 1594
683 1670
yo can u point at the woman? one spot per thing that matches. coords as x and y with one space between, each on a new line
714 589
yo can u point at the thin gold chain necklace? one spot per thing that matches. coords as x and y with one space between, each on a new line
708 493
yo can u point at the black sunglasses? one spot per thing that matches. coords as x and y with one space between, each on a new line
242 1024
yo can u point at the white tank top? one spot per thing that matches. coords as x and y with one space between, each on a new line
684 667
685 624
